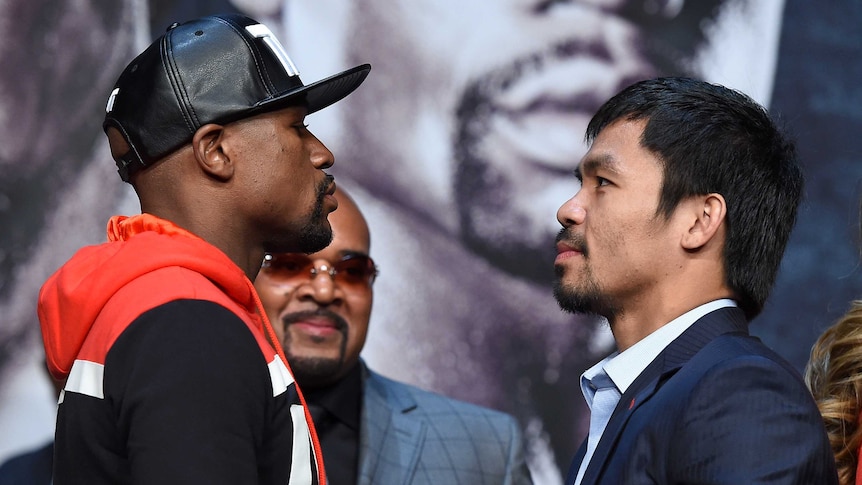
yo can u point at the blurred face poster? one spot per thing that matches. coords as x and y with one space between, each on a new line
459 149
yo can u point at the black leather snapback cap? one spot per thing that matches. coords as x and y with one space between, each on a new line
215 69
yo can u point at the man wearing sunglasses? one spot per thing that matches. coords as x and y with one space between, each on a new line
373 429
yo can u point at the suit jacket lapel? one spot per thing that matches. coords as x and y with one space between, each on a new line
387 429
674 356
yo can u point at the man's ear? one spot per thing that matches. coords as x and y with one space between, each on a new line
710 213
210 154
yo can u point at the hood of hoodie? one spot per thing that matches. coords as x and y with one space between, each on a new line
72 298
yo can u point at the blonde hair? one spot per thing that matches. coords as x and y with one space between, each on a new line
834 376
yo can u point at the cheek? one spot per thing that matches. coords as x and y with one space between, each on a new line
618 226
629 248
274 299
359 314
299 184
289 198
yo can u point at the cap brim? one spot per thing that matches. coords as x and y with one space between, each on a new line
320 94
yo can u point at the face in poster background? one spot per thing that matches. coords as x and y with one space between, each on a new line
464 142
459 150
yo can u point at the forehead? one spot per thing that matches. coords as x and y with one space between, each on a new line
349 231
287 115
617 150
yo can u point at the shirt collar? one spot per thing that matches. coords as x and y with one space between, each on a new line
623 368
343 399
588 390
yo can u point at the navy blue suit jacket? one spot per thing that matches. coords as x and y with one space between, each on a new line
715 407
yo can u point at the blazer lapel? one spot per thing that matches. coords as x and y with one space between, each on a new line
674 356
639 392
388 430
575 464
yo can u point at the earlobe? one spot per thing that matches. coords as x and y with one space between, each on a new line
210 153
710 212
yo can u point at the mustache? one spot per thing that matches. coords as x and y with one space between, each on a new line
323 186
322 190
568 236
338 320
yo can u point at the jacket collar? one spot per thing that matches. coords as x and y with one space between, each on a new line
388 429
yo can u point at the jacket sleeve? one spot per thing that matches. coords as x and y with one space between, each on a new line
193 397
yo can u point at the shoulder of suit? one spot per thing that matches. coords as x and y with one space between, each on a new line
429 401
734 348
734 356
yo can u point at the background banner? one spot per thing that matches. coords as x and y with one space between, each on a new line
459 149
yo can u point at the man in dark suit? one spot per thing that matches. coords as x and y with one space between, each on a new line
34 466
30 468
374 430
688 196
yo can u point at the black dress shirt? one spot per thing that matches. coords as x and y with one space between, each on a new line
335 411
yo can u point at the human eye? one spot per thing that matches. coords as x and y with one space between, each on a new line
602 182
352 269
289 265
356 270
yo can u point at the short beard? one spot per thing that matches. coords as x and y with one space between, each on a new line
588 300
314 372
314 234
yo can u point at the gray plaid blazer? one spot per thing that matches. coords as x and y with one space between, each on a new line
411 436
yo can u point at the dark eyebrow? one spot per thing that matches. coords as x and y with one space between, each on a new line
595 162
348 252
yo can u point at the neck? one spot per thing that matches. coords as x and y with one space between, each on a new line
219 233
640 319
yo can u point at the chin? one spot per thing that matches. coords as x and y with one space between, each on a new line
314 369
312 240
578 300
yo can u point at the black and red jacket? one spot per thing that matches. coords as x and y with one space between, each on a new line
170 376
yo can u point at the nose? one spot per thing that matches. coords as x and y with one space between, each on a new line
321 157
572 212
321 288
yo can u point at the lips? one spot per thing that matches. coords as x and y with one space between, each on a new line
543 114
330 190
566 251
315 322
539 121
327 191
316 327
543 103
565 248
321 321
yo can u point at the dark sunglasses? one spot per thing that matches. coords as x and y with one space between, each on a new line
354 270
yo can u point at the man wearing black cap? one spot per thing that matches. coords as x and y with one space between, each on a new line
173 374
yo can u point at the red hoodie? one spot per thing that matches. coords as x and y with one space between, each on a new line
161 341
